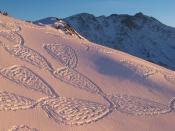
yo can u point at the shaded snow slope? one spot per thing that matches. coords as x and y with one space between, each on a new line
51 81
138 35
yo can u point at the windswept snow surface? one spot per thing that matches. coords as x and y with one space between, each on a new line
52 81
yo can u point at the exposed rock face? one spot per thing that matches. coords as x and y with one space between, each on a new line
59 24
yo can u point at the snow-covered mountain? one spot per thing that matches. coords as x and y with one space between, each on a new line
138 35
51 81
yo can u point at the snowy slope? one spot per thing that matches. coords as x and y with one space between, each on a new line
138 35
51 81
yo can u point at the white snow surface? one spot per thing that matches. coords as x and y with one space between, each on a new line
52 81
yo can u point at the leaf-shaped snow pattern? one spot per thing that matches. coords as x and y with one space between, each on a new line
76 79
74 111
22 128
142 70
29 55
12 37
13 27
10 101
64 54
27 78
172 104
138 106
10 27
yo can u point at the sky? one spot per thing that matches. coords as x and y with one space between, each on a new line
163 10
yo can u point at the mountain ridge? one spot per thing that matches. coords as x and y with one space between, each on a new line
139 35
